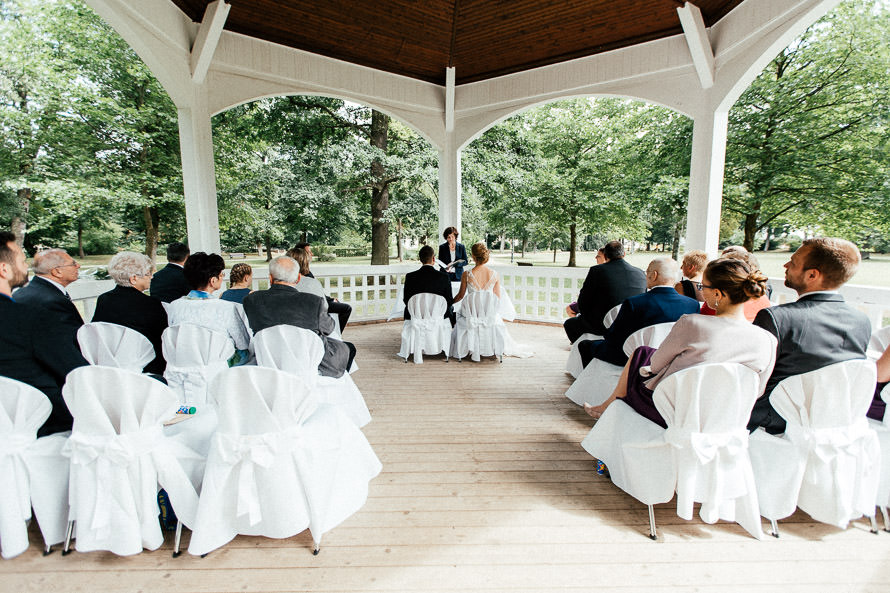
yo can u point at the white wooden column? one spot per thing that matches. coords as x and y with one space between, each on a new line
706 181
199 175
449 188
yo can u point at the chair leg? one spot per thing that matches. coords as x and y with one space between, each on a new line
176 551
47 550
316 548
775 528
653 535
874 524
67 548
886 519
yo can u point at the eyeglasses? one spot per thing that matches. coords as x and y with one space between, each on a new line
74 264
700 285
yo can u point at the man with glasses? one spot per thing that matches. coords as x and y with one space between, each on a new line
819 328
54 270
31 349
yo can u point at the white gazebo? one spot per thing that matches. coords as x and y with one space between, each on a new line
451 70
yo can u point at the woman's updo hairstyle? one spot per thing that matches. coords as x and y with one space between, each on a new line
736 279
239 272
480 252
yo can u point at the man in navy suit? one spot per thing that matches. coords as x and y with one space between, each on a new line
54 270
31 349
429 279
661 304
819 328
607 284
169 283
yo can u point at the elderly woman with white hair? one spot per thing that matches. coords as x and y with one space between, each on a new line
128 305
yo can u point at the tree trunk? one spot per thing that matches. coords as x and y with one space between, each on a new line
259 248
768 238
503 239
80 252
399 239
267 238
20 221
750 230
554 252
150 216
573 244
524 245
379 192
675 247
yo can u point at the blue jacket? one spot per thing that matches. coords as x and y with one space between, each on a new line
460 252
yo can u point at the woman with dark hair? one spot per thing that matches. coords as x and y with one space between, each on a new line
240 279
453 252
727 284
204 273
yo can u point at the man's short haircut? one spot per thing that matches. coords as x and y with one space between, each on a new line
301 256
697 259
668 270
613 250
7 255
126 264
177 252
284 269
836 259
426 255
200 267
46 261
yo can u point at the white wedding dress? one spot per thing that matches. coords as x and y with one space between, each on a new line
511 347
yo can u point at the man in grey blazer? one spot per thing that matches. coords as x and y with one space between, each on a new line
283 304
819 328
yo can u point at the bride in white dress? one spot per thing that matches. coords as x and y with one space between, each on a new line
481 278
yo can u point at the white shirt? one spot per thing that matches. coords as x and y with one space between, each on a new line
56 284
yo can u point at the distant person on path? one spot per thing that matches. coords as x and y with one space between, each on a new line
452 251
607 284
169 283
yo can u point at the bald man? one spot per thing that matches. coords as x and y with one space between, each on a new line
660 304
54 271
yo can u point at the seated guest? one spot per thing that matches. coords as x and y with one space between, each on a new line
204 273
429 279
754 305
240 279
169 282
341 310
607 284
32 350
48 290
701 339
661 304
878 406
819 328
308 284
283 304
128 305
572 308
693 266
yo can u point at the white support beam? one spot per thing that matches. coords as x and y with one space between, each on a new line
699 45
449 185
208 37
449 100
706 181
199 175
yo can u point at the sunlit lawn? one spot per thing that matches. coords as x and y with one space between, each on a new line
874 271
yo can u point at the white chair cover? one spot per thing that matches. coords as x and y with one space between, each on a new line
112 345
598 379
573 364
299 351
280 462
120 456
706 409
479 330
828 461
882 430
428 331
194 356
702 455
880 340
34 471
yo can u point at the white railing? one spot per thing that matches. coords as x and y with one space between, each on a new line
538 293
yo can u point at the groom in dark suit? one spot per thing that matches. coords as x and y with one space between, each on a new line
54 270
31 349
819 328
429 279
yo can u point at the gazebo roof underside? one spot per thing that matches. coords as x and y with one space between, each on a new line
481 39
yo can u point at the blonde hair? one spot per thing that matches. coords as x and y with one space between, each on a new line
480 253
696 258
239 272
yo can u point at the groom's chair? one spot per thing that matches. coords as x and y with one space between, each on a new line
428 331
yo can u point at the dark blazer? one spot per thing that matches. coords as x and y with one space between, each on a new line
429 279
662 304
285 305
607 285
41 293
169 284
460 252
34 352
815 331
124 305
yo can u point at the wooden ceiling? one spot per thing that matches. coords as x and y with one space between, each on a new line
481 38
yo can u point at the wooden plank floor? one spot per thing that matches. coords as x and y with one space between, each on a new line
485 488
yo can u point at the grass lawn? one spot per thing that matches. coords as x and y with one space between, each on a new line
874 271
